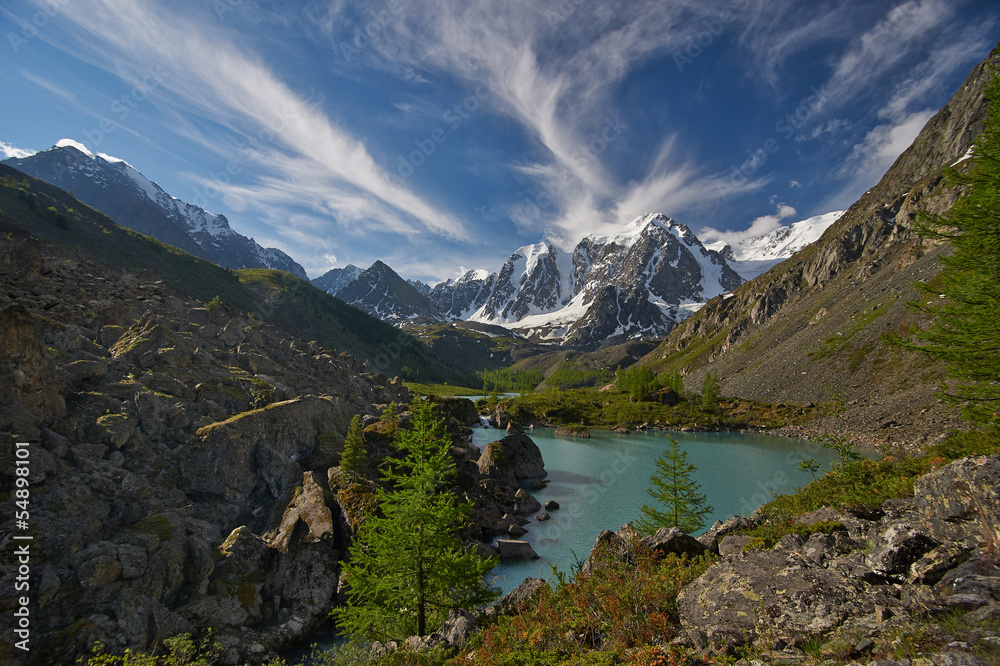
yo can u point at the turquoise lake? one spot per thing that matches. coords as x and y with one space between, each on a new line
601 482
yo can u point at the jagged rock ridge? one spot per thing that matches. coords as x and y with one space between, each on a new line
117 189
380 292
336 279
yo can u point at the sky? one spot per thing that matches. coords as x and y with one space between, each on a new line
440 135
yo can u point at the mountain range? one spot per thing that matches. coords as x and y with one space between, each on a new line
118 190
636 284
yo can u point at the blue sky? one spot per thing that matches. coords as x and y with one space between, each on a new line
440 135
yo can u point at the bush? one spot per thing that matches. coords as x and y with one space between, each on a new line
622 605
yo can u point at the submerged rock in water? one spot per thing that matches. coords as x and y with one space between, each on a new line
515 549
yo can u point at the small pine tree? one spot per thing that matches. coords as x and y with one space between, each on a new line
810 465
408 567
354 459
674 489
389 421
709 392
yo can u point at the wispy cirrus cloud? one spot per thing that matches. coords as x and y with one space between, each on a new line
215 78
555 74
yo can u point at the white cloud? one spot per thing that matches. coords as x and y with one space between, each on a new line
555 75
872 157
881 48
758 227
8 151
216 79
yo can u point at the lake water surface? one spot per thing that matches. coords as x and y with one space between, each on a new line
601 482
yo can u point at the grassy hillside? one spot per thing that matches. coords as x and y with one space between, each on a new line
31 206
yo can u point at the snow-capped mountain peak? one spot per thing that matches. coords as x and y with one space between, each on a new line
113 186
753 256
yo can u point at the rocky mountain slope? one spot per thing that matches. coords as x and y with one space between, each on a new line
115 188
336 279
380 292
48 213
635 284
810 329
183 457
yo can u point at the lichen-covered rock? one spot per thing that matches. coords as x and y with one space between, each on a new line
956 499
780 590
515 455
458 627
897 547
711 539
673 541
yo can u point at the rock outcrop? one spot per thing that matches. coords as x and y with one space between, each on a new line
930 553
516 455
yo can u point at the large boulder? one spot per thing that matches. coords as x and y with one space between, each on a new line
516 455
517 599
458 627
513 549
781 592
610 548
672 541
526 503
462 410
958 500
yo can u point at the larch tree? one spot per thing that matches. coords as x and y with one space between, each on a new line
408 567
354 459
677 492
964 302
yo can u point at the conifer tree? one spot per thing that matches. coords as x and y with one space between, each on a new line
354 459
677 492
965 302
709 392
408 567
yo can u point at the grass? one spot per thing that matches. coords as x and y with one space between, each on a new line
608 409
443 390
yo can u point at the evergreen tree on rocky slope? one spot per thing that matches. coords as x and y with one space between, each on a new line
408 568
965 304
